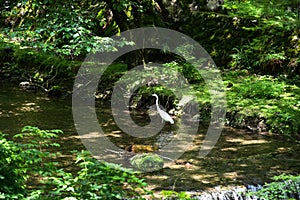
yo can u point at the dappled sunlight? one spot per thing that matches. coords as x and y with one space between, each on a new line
20 107
29 107
108 123
114 134
158 177
230 175
238 157
229 149
204 178
90 135
82 67
247 142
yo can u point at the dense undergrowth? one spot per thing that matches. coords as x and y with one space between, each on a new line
266 103
26 64
32 162
282 187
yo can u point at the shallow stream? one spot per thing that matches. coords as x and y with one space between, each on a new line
240 157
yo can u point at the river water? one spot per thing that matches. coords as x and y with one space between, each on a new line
239 158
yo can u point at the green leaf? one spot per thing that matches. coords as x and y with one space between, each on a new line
76 35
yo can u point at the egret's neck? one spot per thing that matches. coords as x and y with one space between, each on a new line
157 103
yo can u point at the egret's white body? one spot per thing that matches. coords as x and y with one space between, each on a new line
165 116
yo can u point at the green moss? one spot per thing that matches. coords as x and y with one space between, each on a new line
147 162
266 98
44 69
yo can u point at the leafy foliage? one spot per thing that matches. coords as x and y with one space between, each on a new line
282 187
20 161
92 179
129 14
36 148
250 34
273 25
12 170
69 32
266 99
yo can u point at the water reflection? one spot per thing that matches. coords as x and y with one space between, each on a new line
240 157
19 107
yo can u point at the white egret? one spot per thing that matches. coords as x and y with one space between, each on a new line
165 116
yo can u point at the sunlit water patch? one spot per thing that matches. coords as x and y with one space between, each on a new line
239 158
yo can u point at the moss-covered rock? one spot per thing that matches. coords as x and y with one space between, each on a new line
147 162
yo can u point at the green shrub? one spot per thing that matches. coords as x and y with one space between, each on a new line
44 69
94 180
36 144
284 187
19 162
22 163
12 170
67 28
273 36
254 98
